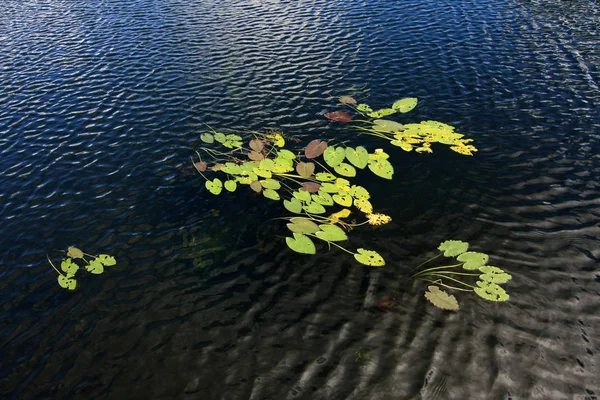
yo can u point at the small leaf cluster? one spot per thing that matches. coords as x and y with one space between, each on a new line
474 264
75 260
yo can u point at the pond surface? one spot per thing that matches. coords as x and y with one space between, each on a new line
102 102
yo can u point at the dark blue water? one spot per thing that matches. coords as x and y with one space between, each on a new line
101 103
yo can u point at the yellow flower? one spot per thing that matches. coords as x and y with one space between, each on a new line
335 217
378 219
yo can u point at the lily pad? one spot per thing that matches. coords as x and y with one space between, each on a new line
231 186
358 157
74 252
359 192
257 145
301 244
305 170
473 260
256 186
494 274
323 198
385 125
69 267
384 112
315 148
343 199
106 260
331 233
311 187
67 283
271 194
302 195
95 267
339 116
491 291
453 248
381 168
293 205
200 166
329 187
303 225
255 156
286 154
314 208
369 257
364 108
347 100
267 164
334 156
263 173
363 205
441 299
345 170
325 177
207 138
405 105
231 168
402 144
215 186
270 184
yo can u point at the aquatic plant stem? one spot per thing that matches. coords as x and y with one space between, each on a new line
50 261
435 268
452 279
439 282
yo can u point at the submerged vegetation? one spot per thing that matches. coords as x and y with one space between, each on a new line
314 183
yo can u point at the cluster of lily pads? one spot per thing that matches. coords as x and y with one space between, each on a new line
468 264
77 259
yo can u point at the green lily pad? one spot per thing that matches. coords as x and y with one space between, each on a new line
494 274
369 257
441 299
491 291
67 283
270 184
323 198
69 267
314 208
385 125
453 248
345 170
343 199
271 194
329 187
231 168
384 112
207 138
363 205
364 108
215 186
95 267
303 225
231 186
293 205
219 137
325 177
334 156
358 157
305 169
405 105
473 260
402 144
331 233
283 165
286 154
381 168
266 164
263 173
106 260
359 192
302 195
301 244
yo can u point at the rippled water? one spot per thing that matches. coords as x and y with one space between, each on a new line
101 102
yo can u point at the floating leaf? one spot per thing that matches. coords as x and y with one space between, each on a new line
219 137
271 194
286 154
303 225
303 195
493 274
67 283
325 177
231 186
339 116
359 156
74 252
263 173
364 108
403 145
270 184
343 199
257 145
293 205
491 291
329 187
314 208
207 138
255 156
345 170
283 165
453 248
359 192
385 125
200 166
323 198
69 267
311 187
231 168
256 186
379 154
405 105
215 186
267 164
305 170
95 267
369 257
106 260
331 233
473 260
363 205
334 156
384 112
441 299
381 168
347 100
301 244
315 148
